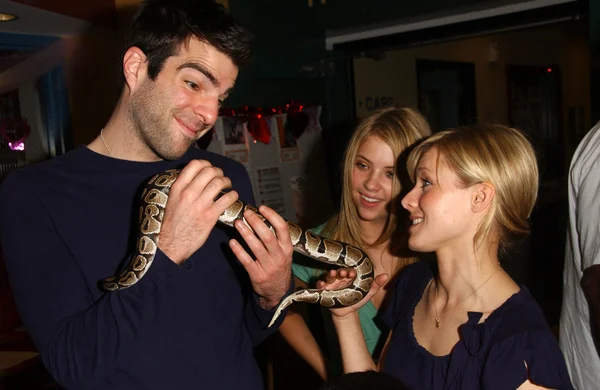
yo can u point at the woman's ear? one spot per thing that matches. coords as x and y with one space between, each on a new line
135 67
483 194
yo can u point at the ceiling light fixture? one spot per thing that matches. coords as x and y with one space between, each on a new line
7 17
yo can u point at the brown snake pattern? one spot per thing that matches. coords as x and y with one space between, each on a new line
153 203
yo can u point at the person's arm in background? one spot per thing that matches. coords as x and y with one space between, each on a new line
590 283
297 334
355 354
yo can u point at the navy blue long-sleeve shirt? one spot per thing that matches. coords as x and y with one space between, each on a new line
68 223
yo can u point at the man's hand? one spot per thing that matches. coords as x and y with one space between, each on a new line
191 212
271 273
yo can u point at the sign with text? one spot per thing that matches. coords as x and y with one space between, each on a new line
375 102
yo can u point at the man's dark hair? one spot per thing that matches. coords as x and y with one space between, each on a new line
365 380
160 27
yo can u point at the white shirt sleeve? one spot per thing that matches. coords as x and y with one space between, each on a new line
585 189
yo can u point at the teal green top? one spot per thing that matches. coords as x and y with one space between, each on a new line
367 313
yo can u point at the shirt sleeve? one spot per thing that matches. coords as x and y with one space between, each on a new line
587 216
533 355
78 337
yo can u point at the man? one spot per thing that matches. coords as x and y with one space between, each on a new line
192 321
580 317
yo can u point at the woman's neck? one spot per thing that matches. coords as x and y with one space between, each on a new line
371 231
461 272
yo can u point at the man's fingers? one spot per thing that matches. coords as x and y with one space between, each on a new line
243 256
253 242
189 172
258 225
278 223
225 201
207 184
275 243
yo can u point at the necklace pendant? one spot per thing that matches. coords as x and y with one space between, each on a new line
437 322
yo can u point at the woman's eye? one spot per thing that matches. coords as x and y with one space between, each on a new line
389 175
361 165
425 183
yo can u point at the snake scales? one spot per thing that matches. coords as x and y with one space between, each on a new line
153 203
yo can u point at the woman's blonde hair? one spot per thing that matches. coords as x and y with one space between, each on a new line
494 154
399 128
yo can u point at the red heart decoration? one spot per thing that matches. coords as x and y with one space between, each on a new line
20 126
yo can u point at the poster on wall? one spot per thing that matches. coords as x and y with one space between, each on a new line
288 145
314 115
301 199
239 155
268 188
235 139
233 131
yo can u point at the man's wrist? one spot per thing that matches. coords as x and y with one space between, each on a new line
268 303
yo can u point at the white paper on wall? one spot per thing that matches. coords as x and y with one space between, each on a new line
269 191
298 189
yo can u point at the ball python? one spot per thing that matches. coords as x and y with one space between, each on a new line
153 202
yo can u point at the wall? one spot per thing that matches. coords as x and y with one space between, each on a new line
565 45
347 14
126 9
91 70
36 145
96 11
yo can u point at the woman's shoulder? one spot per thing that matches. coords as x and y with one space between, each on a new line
520 314
522 346
515 343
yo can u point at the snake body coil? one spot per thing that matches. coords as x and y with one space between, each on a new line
153 203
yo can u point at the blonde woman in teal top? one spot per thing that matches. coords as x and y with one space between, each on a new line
368 219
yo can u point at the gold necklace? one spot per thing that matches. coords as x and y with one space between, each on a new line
104 142
438 318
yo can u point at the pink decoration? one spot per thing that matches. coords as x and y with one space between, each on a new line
19 128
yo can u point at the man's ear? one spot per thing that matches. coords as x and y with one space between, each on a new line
483 194
135 67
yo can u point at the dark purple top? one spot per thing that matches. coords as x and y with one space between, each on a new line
68 223
489 355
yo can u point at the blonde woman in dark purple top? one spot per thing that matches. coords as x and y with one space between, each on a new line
460 321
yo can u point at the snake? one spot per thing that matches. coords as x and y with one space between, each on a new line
151 213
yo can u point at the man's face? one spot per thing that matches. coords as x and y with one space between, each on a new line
173 111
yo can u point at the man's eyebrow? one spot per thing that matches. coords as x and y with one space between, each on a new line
229 90
200 68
